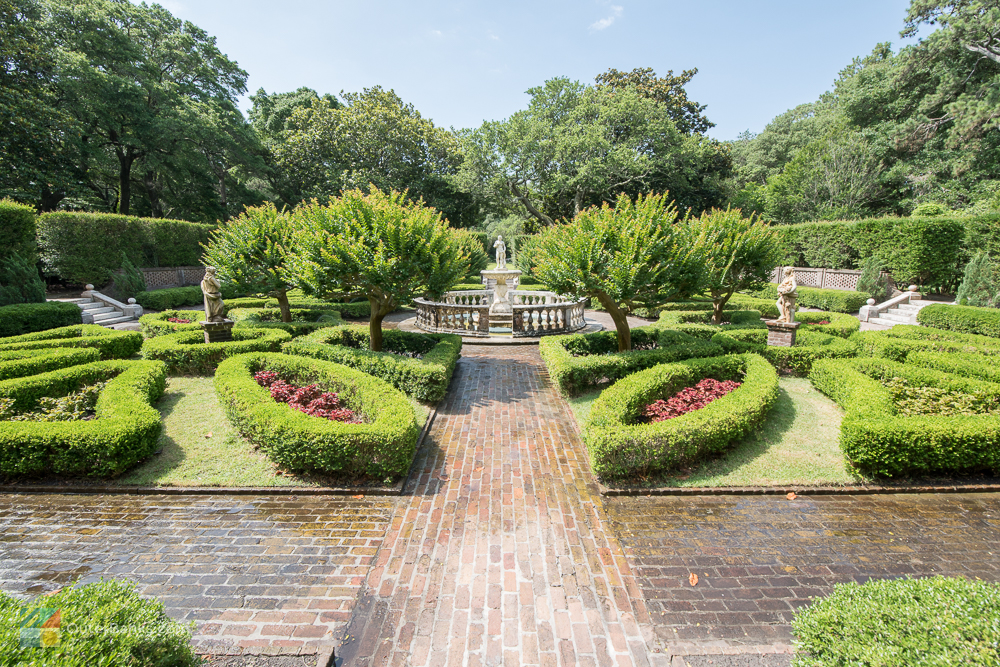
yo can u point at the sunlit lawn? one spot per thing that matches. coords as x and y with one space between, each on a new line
200 448
796 445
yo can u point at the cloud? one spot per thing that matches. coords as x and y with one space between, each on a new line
494 37
437 33
601 24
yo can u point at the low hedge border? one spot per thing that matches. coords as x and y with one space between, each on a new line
836 300
111 344
125 431
840 325
621 448
22 363
600 363
165 299
962 319
380 449
797 360
879 442
897 342
736 302
156 324
967 365
354 310
186 352
913 622
425 379
734 317
23 318
304 320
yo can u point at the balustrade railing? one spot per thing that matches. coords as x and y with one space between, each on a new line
463 319
470 297
543 319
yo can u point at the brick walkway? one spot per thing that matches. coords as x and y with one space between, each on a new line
502 554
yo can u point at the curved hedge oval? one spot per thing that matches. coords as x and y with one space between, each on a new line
112 344
619 447
809 346
21 363
125 431
187 351
304 320
840 325
383 447
156 324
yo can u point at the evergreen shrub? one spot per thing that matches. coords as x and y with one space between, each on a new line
304 320
20 363
19 281
24 318
110 343
962 319
809 346
18 224
186 352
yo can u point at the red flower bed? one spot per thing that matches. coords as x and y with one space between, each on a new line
809 324
310 399
688 399
178 320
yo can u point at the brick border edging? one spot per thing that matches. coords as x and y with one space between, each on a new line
394 490
797 490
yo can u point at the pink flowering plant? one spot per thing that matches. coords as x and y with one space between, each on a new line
311 399
689 399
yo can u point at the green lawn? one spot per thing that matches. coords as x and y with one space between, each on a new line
797 445
200 448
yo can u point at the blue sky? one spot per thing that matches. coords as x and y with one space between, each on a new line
462 62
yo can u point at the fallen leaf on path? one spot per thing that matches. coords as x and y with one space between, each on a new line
208 435
358 497
791 496
693 579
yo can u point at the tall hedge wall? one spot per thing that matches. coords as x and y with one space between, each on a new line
17 221
87 247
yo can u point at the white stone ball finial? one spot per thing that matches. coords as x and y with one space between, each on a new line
870 302
913 288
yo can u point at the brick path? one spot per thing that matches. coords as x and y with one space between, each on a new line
502 554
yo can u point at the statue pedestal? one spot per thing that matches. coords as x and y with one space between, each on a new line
503 280
781 334
218 332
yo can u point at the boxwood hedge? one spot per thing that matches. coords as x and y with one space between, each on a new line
380 448
355 310
111 344
22 318
158 324
959 363
896 343
171 297
304 320
837 300
425 379
963 319
20 363
912 622
620 447
809 346
124 432
187 351
582 362
840 325
879 442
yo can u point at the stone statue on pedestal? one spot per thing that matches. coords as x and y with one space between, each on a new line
501 252
787 297
212 289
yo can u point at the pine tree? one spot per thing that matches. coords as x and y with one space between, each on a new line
871 281
130 281
19 281
978 287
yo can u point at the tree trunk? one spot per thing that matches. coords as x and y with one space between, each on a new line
223 196
620 319
719 302
528 205
51 199
379 310
286 312
124 181
153 194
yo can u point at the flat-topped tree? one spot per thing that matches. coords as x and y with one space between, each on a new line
376 246
251 250
634 254
738 253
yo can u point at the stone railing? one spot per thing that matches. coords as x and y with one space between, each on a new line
534 298
458 318
469 298
844 279
543 319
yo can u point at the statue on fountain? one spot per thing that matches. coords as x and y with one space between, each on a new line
501 248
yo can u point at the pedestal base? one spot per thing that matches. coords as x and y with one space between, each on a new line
218 332
781 334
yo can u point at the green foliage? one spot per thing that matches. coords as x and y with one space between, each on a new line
88 247
18 224
963 319
871 281
472 246
913 400
738 254
171 297
620 446
582 362
929 210
668 91
902 340
978 287
158 324
26 318
377 247
628 256
798 360
896 622
425 379
381 448
303 320
125 430
19 281
75 406
129 281
966 364
21 363
111 344
879 441
102 624
834 300
187 353
840 325
354 309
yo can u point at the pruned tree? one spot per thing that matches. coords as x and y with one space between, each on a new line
633 254
376 246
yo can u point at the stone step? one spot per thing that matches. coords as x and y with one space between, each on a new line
99 309
897 316
912 307
110 314
111 322
78 302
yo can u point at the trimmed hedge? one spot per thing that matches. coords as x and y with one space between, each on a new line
840 325
896 343
766 307
22 318
156 324
836 300
18 224
171 297
798 360
879 442
354 310
111 344
380 449
958 363
21 363
907 622
304 320
186 352
620 447
426 379
600 362
88 247
125 431
669 318
963 319
103 623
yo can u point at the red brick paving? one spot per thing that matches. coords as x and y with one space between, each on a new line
502 554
